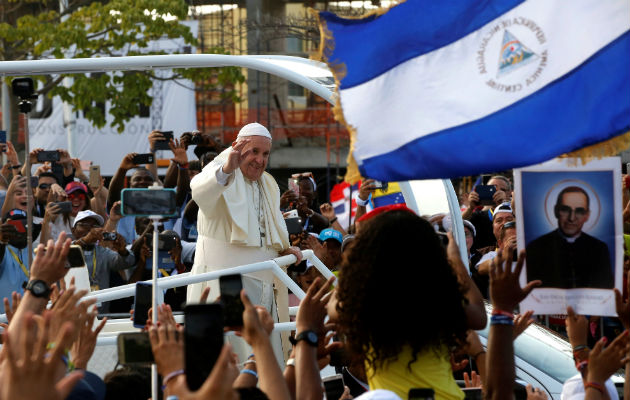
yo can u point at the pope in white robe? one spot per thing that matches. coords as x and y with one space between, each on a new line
240 221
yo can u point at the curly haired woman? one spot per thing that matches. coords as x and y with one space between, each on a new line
403 303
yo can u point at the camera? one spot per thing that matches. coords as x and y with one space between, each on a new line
23 88
196 138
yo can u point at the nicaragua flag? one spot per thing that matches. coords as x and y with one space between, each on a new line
440 89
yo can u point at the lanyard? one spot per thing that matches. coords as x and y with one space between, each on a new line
24 269
93 264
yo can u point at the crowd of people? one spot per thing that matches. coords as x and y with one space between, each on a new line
385 335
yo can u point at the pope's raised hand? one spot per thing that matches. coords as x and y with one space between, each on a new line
236 156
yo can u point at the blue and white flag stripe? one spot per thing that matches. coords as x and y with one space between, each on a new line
544 78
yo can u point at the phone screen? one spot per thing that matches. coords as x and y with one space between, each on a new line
334 387
231 286
145 158
486 193
163 144
65 207
142 303
203 340
48 155
134 348
75 257
145 202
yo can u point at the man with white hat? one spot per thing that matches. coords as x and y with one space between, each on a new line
239 220
87 230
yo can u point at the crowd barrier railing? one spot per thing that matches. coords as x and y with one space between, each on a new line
113 327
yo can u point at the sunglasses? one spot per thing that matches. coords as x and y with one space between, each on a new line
79 196
44 185
566 211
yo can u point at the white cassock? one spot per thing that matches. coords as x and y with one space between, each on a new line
239 223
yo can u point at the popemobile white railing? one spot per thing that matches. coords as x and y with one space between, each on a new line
113 327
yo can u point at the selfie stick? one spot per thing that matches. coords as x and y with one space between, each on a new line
25 107
156 222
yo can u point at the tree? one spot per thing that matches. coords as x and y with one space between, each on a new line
36 29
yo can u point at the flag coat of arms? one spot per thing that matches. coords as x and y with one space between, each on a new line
441 89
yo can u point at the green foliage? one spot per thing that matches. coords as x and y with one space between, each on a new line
35 29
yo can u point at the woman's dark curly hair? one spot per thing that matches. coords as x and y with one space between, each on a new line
396 289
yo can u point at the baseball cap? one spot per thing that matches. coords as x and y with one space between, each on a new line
503 208
88 214
15 214
447 224
330 233
74 186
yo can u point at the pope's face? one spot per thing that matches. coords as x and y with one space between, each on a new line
256 157
572 213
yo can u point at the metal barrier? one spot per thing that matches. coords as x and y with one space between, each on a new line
113 327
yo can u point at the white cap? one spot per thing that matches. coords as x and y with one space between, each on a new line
88 214
253 129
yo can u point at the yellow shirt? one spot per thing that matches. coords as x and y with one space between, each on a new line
428 371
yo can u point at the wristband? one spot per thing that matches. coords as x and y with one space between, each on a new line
362 203
594 385
291 362
501 312
249 362
332 221
170 376
249 371
478 354
579 348
18 166
182 166
501 320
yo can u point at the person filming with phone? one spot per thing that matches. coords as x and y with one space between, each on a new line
14 267
239 220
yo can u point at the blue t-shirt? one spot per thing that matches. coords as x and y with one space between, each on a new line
127 228
12 275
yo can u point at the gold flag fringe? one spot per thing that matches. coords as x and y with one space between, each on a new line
339 70
610 147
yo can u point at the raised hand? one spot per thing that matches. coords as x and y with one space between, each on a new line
127 162
577 328
237 154
167 343
49 263
83 348
179 152
603 362
522 322
10 309
367 187
328 211
505 289
30 371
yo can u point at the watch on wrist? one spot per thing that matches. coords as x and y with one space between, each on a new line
38 288
309 337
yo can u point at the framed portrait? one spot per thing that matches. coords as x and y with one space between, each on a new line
570 224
